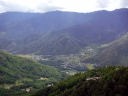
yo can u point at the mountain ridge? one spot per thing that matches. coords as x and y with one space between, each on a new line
40 32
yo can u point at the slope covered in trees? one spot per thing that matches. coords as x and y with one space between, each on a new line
111 81
18 73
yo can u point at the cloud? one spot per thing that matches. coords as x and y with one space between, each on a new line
64 5
11 6
112 4
124 3
103 3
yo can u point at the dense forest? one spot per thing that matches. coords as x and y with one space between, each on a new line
110 81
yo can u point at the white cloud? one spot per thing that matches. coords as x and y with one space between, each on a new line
65 5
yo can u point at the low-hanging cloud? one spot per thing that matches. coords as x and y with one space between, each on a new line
64 5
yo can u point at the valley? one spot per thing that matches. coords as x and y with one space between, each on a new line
62 53
72 62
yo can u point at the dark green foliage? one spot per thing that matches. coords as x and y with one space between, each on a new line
112 81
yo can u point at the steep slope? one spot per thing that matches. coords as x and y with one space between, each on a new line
18 73
116 53
111 81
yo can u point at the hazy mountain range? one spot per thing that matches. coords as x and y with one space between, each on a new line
56 33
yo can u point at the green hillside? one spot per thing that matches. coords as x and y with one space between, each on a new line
18 73
111 81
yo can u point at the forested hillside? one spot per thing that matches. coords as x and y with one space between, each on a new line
111 81
17 74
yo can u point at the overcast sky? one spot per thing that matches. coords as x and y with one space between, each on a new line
64 5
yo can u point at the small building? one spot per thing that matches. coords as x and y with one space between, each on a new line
93 78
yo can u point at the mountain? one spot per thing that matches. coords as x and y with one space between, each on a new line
20 25
16 27
58 33
115 53
111 81
17 74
